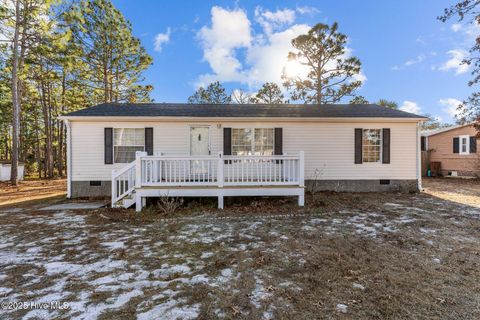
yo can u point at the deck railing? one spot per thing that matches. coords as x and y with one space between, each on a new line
218 170
123 182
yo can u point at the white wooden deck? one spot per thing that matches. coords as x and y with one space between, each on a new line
207 176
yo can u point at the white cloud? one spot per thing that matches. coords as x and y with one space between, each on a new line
418 59
450 106
307 10
161 39
455 62
264 54
229 31
410 106
360 77
267 59
456 27
271 21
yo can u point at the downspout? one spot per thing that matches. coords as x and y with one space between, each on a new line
69 158
419 157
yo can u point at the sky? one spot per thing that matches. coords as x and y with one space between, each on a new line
407 54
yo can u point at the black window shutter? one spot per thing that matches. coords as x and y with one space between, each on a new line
227 141
278 149
473 144
108 145
149 141
358 145
386 145
456 145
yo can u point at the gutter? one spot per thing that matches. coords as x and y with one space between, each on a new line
238 119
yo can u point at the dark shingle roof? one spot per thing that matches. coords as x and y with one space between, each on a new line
240 110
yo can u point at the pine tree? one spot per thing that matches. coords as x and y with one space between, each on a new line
270 93
330 74
387 103
215 93
469 11
359 100
116 59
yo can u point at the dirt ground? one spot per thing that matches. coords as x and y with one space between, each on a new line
31 190
343 256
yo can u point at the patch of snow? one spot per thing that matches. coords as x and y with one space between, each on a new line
94 310
168 270
308 228
114 245
106 265
341 308
171 310
206 255
200 278
226 273
427 230
358 286
436 260
259 293
392 204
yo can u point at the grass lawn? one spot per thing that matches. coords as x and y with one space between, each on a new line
345 255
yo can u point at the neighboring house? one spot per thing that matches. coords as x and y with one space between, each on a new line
455 148
239 150
6 168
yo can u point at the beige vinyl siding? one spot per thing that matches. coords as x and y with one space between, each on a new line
328 146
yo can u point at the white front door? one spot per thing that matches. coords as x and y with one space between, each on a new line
199 141
199 146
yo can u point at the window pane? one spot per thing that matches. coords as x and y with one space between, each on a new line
126 142
129 137
125 154
264 141
241 142
372 139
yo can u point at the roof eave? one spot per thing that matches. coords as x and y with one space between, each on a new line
242 119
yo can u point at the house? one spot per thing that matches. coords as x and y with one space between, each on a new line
6 168
135 151
455 148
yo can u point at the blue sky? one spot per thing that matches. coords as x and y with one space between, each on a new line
407 55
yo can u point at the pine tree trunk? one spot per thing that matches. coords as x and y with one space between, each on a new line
48 135
61 132
15 98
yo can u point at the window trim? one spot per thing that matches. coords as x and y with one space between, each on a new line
114 145
381 147
467 145
253 138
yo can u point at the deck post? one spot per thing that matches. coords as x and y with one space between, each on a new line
301 169
138 203
138 168
220 176
301 200
220 202
114 188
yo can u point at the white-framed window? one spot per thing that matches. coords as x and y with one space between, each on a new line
464 144
126 142
371 145
249 141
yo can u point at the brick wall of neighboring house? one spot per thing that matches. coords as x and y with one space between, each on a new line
441 149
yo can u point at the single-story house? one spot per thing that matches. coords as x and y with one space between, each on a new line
455 148
135 151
